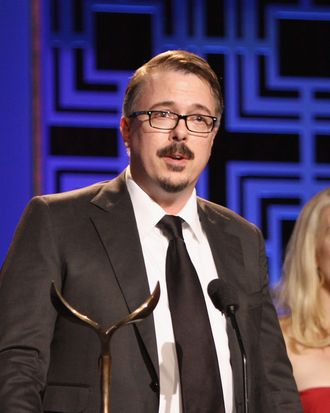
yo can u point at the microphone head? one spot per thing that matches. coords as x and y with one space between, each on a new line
223 296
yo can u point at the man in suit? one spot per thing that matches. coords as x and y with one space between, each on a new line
102 247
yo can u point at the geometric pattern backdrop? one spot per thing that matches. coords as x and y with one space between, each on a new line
272 58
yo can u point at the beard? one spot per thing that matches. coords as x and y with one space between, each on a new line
175 148
171 187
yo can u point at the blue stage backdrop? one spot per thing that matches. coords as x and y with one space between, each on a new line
272 58
16 175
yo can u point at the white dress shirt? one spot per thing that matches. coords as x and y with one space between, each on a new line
154 245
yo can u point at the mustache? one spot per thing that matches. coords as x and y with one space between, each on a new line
176 148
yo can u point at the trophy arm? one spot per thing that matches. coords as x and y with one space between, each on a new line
143 311
67 310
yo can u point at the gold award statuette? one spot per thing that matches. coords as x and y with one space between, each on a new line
104 333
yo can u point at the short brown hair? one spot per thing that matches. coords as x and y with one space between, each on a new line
179 60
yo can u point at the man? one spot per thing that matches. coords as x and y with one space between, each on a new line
105 250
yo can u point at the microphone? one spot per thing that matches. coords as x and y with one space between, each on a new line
224 298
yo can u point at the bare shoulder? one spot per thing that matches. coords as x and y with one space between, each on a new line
285 324
311 365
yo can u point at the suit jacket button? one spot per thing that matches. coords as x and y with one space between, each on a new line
154 386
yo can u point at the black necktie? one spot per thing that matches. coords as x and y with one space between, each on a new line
198 365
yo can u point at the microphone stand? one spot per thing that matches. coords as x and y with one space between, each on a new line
231 309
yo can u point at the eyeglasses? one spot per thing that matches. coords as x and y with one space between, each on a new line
165 120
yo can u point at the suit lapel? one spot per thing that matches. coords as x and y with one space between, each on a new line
225 246
228 257
115 223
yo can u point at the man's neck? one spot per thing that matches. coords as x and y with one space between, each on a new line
172 208
171 203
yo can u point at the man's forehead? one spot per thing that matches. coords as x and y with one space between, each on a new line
175 80
177 86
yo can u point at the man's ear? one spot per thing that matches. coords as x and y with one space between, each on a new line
124 130
215 131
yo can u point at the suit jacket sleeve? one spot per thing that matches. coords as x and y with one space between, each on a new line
26 316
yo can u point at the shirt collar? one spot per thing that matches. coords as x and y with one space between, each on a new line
148 213
189 214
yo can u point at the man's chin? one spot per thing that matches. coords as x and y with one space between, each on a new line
173 187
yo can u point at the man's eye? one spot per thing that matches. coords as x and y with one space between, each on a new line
160 114
198 118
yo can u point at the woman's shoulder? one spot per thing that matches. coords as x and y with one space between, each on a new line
291 344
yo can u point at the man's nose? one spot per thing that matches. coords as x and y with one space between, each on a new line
180 132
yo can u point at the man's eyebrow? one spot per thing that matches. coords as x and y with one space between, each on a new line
170 103
163 103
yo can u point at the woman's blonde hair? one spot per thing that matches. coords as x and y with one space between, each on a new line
298 293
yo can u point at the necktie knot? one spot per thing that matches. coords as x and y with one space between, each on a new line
171 225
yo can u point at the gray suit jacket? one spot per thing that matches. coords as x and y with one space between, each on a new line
87 242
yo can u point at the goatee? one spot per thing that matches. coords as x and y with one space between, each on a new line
175 148
170 187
